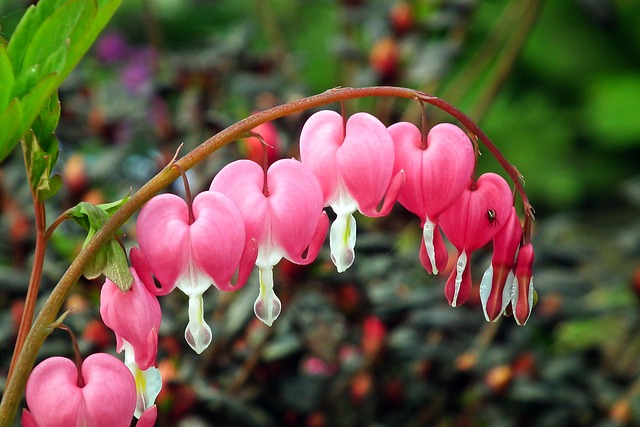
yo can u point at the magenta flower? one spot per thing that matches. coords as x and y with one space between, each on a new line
522 295
497 282
282 210
102 394
135 317
437 172
194 249
470 223
354 164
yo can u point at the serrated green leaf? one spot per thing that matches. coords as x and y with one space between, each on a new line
10 120
6 77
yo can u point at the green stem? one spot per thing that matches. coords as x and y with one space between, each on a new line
42 326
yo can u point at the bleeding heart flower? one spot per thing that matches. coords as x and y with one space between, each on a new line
102 394
282 210
497 281
470 223
194 251
134 316
522 296
437 171
354 164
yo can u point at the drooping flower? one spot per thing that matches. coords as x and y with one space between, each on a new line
103 395
522 296
135 318
282 210
497 282
354 164
470 223
194 249
437 171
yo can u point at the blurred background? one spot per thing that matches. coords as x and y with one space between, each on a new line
555 84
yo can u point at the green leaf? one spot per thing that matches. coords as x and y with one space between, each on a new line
6 77
40 147
110 259
10 120
46 45
47 49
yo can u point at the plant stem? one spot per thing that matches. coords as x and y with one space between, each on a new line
34 282
14 388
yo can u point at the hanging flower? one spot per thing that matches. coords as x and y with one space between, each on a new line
497 282
135 318
437 171
470 223
354 164
282 210
193 249
100 394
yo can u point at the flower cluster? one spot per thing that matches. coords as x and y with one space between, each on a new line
256 216
252 215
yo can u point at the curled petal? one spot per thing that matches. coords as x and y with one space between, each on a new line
365 162
321 136
495 295
458 286
295 209
134 316
217 237
267 306
433 251
198 333
148 418
343 240
523 293
162 229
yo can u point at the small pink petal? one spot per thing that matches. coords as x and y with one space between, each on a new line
458 286
467 223
162 229
365 162
217 237
321 137
522 297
